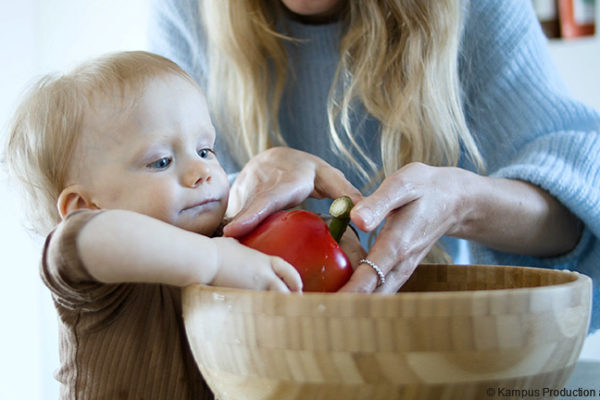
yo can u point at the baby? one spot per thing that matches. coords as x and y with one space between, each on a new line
117 160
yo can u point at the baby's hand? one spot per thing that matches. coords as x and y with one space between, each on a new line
243 267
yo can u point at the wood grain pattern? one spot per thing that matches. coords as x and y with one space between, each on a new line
453 332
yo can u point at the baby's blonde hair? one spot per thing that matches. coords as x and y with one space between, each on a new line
399 58
48 122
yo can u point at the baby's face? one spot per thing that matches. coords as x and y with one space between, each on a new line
157 157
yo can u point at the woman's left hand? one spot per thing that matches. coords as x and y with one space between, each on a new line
420 204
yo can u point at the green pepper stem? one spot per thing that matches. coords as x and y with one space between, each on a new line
340 216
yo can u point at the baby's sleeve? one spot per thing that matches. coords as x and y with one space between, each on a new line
63 272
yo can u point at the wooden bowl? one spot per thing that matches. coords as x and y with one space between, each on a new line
453 332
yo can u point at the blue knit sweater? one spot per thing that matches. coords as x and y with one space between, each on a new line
518 109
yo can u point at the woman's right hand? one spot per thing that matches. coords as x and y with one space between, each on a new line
280 178
242 267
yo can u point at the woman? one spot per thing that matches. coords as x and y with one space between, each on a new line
451 110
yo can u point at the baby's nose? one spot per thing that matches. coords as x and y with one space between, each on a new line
197 174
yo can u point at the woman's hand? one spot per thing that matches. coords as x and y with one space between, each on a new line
421 203
350 243
281 178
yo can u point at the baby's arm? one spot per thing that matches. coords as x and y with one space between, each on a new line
123 246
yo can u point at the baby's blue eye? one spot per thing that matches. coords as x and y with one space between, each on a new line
205 152
161 163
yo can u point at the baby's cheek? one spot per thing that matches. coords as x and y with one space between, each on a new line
158 204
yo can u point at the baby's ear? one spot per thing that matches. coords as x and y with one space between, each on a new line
73 198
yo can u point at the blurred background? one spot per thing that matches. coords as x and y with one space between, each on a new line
40 36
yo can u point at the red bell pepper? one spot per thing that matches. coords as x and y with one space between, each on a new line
304 240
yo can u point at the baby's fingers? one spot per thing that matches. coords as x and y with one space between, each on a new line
277 285
287 274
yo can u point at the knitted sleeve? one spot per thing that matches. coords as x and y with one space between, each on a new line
529 128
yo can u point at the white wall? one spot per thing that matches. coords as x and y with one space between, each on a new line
579 64
39 36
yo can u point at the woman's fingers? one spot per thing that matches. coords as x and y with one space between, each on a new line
396 253
259 203
363 280
281 178
394 192
350 244
247 219
400 247
331 183
420 204
391 253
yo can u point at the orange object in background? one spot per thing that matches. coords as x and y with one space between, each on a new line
577 18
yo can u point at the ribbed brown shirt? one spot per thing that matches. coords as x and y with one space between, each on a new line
116 341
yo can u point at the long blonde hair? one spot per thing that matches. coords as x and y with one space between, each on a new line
48 123
399 58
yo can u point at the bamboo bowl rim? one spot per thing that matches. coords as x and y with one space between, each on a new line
566 279
561 288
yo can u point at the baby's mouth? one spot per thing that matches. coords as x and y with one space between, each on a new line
201 206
